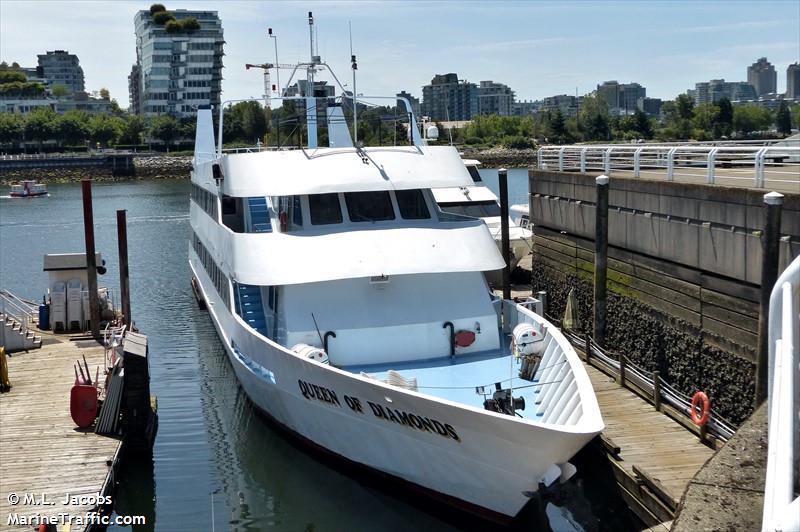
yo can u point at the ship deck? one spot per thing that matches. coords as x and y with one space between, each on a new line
459 379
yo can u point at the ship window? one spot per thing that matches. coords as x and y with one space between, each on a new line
369 206
473 172
325 209
475 209
412 204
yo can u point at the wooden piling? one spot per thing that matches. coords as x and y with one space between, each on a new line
773 203
600 260
124 279
657 390
502 176
91 262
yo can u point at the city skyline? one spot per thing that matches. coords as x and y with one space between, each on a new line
581 45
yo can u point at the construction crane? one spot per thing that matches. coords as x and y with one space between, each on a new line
268 89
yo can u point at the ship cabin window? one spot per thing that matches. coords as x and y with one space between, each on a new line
324 209
373 206
473 172
475 209
412 204
291 206
233 214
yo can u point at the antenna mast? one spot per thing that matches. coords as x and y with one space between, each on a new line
310 75
354 66
277 68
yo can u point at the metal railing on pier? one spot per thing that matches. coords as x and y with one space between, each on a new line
739 165
23 312
781 502
647 384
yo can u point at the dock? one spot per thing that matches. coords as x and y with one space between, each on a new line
44 456
653 457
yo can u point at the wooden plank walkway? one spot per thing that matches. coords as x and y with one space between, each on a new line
657 455
41 449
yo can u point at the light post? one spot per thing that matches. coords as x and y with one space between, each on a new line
277 70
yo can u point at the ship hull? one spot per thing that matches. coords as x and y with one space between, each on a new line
482 462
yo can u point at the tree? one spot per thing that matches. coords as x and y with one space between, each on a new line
8 75
173 26
165 128
11 128
593 119
162 17
72 128
104 94
40 125
558 129
725 117
678 115
104 129
59 91
642 124
155 8
132 129
783 119
190 24
706 119
750 118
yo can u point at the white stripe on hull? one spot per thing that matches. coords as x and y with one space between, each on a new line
486 459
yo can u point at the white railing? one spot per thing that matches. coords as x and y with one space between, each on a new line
781 503
742 165
17 309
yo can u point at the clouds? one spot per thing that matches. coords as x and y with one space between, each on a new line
538 48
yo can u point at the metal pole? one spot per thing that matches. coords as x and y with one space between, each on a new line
277 68
124 281
502 176
770 252
600 260
91 261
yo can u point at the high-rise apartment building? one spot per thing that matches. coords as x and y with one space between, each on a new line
763 77
412 100
495 98
60 67
180 69
621 98
793 81
716 89
448 98
566 103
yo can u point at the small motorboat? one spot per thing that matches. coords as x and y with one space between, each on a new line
28 189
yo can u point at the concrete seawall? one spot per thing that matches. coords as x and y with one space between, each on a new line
684 268
144 167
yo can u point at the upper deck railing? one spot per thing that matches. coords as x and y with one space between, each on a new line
776 167
781 500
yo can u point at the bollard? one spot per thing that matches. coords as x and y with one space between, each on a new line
770 251
541 295
588 352
502 176
600 260
657 390
91 260
621 370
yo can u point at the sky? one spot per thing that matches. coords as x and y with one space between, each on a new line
538 48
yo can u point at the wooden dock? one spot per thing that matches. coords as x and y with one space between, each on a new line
42 452
653 457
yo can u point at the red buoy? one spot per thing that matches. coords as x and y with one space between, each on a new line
83 405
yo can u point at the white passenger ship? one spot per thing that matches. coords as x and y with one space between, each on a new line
356 315
478 201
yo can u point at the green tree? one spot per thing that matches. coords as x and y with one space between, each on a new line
11 128
593 120
190 24
725 117
643 125
10 75
165 128
678 115
59 91
155 8
706 119
72 128
750 118
40 125
783 119
104 94
162 17
558 130
173 26
132 129
104 129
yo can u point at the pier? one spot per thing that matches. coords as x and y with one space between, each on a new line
43 453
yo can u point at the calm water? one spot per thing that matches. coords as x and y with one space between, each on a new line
216 463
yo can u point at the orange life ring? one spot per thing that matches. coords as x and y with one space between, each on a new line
696 399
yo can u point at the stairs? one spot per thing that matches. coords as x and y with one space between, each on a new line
259 216
15 337
250 307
